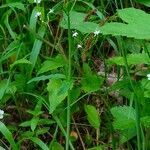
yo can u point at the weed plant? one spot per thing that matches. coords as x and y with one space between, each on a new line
74 74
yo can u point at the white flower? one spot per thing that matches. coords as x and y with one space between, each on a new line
97 32
148 76
51 11
37 14
1 114
79 46
75 34
37 1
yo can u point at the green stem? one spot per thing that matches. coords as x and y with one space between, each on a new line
63 130
136 97
69 78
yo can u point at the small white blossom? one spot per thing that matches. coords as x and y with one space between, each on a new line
37 14
97 32
51 11
1 114
75 34
148 76
79 46
37 1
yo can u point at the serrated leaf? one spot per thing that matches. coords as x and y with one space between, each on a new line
58 90
20 61
92 116
52 64
91 82
124 117
134 26
132 59
77 22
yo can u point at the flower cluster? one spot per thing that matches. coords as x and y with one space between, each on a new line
97 32
38 14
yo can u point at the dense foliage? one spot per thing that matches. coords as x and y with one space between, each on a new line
74 74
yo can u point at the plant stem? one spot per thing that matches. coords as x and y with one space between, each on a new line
69 78
135 93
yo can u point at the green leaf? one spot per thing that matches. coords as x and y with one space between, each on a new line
33 19
44 77
14 5
146 121
52 64
37 141
37 46
144 2
124 117
3 86
8 135
58 90
6 21
20 61
132 59
92 116
134 26
91 82
34 122
77 22
56 146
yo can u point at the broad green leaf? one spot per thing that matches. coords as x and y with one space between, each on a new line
92 116
134 26
91 82
77 22
144 2
40 143
124 117
126 135
56 146
44 77
8 135
132 59
20 61
52 64
58 90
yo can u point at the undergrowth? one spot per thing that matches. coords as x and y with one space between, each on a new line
74 74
